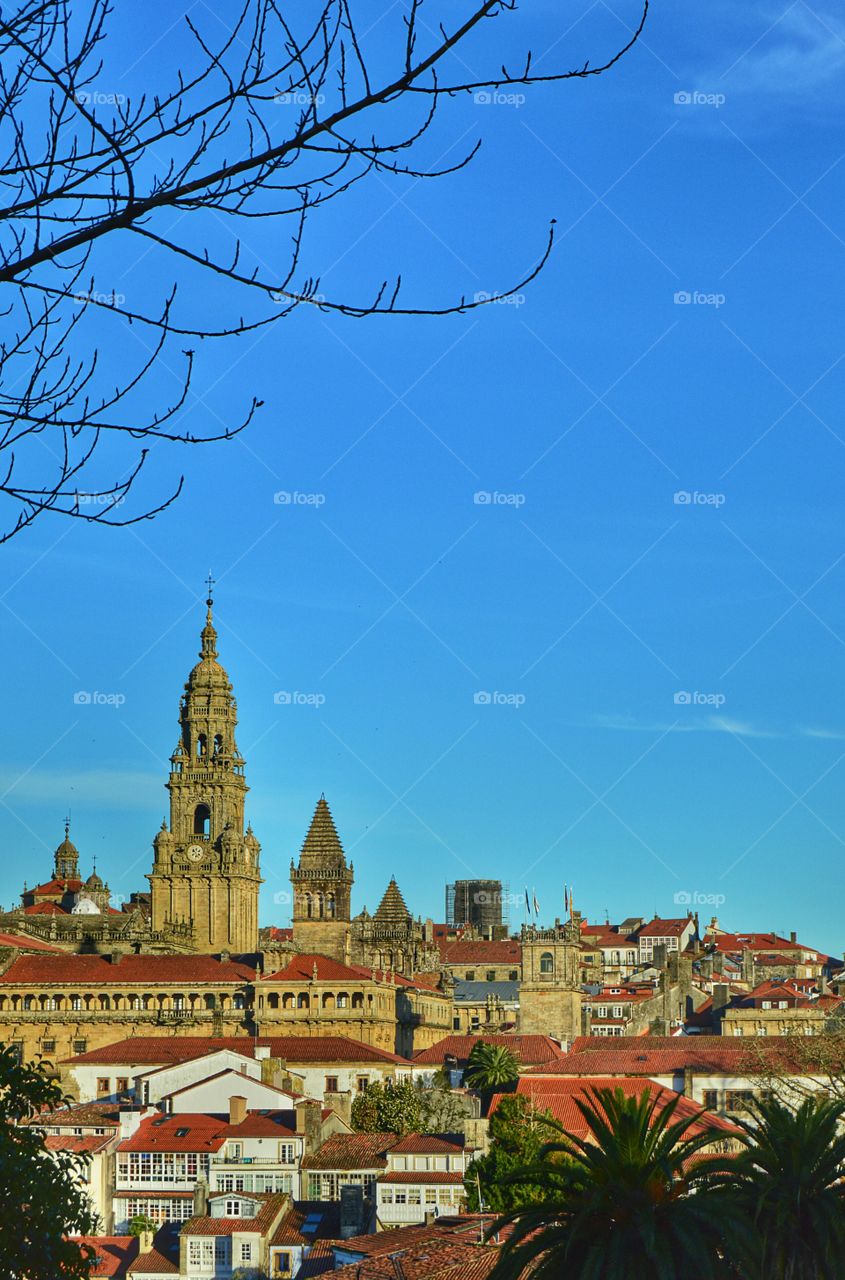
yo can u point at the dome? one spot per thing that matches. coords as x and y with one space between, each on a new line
67 849
85 907
93 881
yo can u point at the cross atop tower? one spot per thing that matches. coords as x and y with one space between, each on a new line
210 584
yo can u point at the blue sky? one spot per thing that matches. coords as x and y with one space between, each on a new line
685 338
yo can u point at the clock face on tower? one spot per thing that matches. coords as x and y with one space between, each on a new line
196 852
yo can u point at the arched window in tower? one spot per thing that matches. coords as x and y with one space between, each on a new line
218 744
330 907
202 745
309 906
202 820
547 962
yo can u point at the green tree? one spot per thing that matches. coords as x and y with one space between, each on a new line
788 1186
389 1107
490 1066
141 1223
41 1201
517 1135
621 1205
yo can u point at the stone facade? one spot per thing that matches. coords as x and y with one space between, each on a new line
549 995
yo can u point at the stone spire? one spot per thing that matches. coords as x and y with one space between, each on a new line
321 849
392 908
209 635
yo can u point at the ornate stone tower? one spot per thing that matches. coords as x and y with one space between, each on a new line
322 890
549 995
206 869
66 866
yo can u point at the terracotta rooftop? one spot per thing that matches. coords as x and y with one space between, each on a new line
271 1206
89 1144
302 969
658 928
22 943
166 1050
529 1049
186 1132
561 1096
664 1055
352 1151
481 952
324 1216
428 1144
113 1253
76 970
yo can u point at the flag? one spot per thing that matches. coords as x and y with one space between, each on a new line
565 898
527 902
536 903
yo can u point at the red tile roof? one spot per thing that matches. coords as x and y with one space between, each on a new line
22 943
560 1097
153 1263
423 1177
70 1142
658 928
164 1133
271 1207
113 1253
45 909
427 1144
671 1055
324 1214
352 1151
507 951
76 970
527 1048
301 969
167 1050
85 1115
55 886
431 1258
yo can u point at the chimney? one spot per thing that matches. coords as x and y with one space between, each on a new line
145 1241
116 957
201 1197
351 1212
793 937
237 1109
721 996
309 1123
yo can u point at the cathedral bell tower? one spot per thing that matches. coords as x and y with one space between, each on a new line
206 869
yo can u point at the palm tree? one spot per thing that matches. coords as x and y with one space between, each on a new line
490 1066
620 1207
787 1182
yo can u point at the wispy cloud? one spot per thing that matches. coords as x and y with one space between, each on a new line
684 724
796 50
110 790
827 735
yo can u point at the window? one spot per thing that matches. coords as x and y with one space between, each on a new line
514 975
103 1084
80 1046
363 1083
246 1251
76 1002
470 975
202 820
121 1084
491 975
617 1011
547 962
738 1099
48 1046
431 1195
331 1084
282 1264
710 1099
233 1208
601 1011
234 1150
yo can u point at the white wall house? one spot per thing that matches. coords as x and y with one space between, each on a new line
424 1174
211 1095
152 1086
